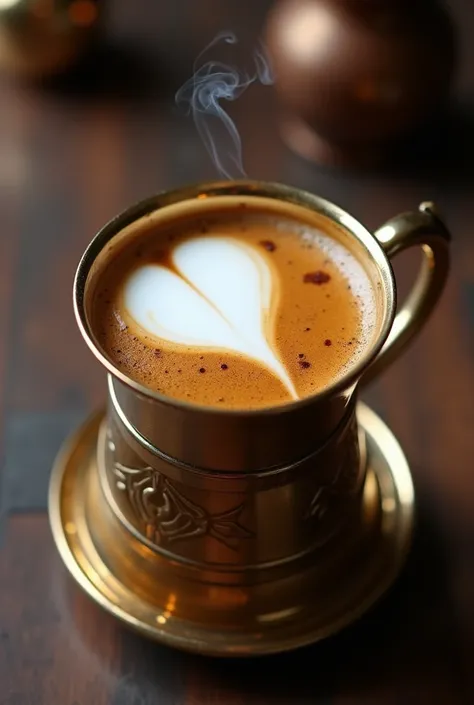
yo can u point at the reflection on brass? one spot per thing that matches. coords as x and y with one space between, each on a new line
242 532
43 37
222 609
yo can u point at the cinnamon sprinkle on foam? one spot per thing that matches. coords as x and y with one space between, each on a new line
318 277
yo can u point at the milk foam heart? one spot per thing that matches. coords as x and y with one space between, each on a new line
220 297
238 308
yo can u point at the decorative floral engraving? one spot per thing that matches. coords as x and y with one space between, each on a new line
168 515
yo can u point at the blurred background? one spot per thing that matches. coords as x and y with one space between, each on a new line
79 147
89 125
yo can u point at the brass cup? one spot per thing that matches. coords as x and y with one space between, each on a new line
228 517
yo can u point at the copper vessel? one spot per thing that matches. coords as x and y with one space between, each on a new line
356 77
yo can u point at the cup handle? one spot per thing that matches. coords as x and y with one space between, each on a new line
423 228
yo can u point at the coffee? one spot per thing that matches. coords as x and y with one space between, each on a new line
239 306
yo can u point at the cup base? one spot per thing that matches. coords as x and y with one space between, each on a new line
368 564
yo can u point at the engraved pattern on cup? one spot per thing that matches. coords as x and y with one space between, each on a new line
251 519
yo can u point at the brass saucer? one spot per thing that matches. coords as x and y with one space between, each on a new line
389 482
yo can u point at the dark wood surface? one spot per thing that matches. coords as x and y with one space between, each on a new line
73 155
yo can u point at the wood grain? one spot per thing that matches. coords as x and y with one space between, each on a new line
73 156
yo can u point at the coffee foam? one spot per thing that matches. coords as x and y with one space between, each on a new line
220 298
236 306
348 265
353 272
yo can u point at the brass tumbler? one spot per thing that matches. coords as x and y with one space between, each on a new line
240 530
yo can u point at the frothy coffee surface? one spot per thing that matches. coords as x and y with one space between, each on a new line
236 309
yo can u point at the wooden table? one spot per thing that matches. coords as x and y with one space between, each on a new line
71 158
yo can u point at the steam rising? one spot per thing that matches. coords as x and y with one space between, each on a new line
212 82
